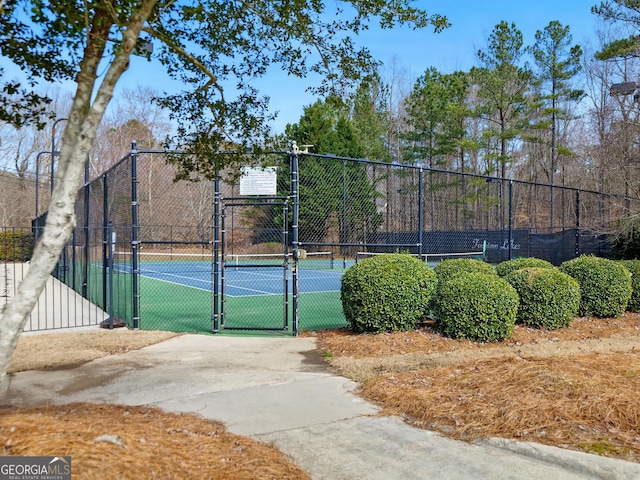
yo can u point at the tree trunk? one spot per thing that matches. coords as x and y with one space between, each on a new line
77 141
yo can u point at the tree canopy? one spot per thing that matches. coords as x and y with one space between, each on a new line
215 48
628 12
328 126
502 87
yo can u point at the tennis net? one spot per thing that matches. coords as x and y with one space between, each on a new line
154 262
307 260
428 257
172 261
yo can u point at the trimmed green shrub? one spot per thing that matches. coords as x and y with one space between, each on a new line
509 266
476 306
15 245
548 298
450 268
387 293
605 285
634 267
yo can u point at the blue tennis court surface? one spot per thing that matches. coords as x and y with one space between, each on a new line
240 281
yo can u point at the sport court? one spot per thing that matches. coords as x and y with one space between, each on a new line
322 203
176 290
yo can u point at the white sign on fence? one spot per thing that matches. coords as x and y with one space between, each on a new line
259 181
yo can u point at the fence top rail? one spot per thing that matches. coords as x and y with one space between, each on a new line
221 152
344 244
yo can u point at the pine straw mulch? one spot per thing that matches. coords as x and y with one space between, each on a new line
122 442
576 388
137 442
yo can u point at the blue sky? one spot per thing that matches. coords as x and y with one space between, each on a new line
412 50
453 49
472 22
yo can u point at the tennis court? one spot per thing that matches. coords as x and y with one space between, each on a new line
243 275
176 290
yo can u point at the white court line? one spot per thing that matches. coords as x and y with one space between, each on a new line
178 283
328 274
145 273
257 292
280 294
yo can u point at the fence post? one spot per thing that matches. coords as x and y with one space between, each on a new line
222 252
105 228
510 218
420 224
215 273
577 223
135 286
344 213
285 242
293 157
85 269
72 267
111 249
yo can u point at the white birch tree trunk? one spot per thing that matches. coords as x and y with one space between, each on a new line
80 131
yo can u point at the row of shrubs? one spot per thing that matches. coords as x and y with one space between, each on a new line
472 299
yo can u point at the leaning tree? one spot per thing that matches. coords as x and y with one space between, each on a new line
214 47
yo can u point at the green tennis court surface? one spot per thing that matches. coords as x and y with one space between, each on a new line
175 291
180 308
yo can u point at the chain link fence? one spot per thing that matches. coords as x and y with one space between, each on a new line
201 256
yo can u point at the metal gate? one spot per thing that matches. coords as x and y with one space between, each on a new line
251 289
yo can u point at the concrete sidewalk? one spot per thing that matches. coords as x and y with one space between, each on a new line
280 391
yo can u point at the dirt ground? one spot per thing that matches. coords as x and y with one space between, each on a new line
38 351
576 388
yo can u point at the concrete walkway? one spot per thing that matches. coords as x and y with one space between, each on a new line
279 390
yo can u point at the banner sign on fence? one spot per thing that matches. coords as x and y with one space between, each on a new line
259 181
